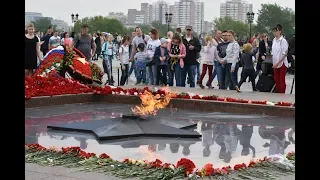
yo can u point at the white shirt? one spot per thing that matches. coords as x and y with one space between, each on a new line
279 47
151 47
54 41
232 52
124 51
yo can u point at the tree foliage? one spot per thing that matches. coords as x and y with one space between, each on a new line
227 23
101 24
272 14
43 24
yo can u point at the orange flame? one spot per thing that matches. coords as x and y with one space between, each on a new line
149 153
151 104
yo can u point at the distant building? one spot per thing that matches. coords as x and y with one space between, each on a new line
207 27
236 9
189 12
156 11
60 24
135 16
31 17
119 16
147 10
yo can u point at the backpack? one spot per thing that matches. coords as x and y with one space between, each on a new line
78 41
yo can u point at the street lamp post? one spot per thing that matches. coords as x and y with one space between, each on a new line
250 17
168 19
74 19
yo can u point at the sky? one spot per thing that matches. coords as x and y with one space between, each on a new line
64 8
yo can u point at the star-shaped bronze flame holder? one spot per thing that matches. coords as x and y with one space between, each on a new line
131 126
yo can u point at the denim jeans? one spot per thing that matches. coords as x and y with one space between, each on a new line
107 67
198 71
152 74
124 74
232 76
175 74
141 75
132 69
222 76
191 71
215 71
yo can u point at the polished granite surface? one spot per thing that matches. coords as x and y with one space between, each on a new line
226 138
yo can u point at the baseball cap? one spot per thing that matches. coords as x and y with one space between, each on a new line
189 27
163 40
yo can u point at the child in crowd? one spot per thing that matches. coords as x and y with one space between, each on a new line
161 56
247 59
124 59
210 53
141 63
107 52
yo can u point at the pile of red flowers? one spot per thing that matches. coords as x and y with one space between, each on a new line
48 63
52 85
81 68
188 166
74 87
135 91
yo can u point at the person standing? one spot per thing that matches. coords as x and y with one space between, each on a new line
107 53
54 40
247 65
31 51
177 51
169 36
264 49
66 40
85 43
210 54
152 44
45 41
124 59
279 58
138 37
217 66
161 57
193 47
232 59
222 48
141 64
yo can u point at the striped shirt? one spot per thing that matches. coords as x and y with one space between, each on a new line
140 58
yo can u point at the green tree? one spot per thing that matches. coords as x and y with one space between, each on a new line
145 28
162 28
42 24
272 14
101 24
227 23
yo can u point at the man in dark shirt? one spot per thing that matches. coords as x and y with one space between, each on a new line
221 48
193 47
45 41
85 43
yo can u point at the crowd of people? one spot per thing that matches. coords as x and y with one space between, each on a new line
174 59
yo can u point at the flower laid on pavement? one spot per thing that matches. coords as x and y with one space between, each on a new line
142 169
38 86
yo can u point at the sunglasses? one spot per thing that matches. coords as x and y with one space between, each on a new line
188 29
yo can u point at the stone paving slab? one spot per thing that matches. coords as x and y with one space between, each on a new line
37 172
